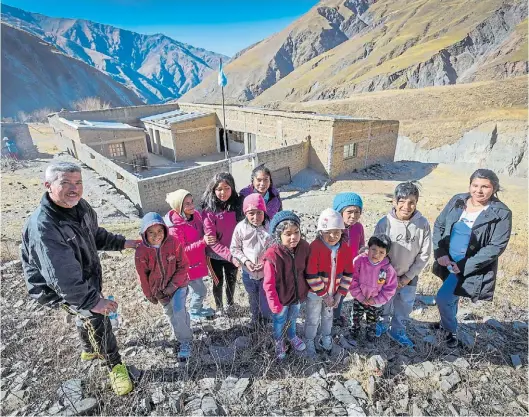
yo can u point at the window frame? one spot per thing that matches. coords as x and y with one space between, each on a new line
113 149
350 150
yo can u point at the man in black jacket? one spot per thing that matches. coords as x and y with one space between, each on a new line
61 265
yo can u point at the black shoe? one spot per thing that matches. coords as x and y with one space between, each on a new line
451 340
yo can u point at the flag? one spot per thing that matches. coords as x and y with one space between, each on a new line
222 80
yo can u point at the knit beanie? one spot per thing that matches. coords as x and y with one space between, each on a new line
254 201
176 199
343 200
281 216
330 219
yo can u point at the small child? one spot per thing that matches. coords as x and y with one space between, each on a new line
248 244
411 247
284 280
374 283
185 224
329 274
162 267
349 205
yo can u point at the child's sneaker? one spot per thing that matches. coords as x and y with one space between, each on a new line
381 328
298 344
401 338
281 349
310 348
90 356
451 340
185 351
120 379
326 343
195 316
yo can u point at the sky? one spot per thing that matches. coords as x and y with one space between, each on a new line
224 26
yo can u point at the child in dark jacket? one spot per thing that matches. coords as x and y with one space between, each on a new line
284 280
162 268
374 283
329 274
221 212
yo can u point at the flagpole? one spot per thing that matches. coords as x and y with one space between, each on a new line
224 118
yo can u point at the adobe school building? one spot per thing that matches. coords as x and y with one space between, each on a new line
148 151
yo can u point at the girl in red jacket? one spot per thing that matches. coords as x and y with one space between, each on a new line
221 212
284 280
185 224
329 274
162 266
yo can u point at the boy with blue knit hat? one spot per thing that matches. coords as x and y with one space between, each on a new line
349 205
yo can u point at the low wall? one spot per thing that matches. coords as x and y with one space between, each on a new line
20 133
296 157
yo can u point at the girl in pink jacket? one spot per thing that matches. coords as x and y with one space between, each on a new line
185 224
374 283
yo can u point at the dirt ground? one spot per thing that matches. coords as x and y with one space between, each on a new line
40 351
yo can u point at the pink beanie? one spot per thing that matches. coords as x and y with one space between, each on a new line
254 201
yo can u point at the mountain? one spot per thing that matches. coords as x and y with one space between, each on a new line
156 67
35 75
372 46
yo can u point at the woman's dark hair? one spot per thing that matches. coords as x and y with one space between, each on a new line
490 175
381 240
262 168
210 201
406 189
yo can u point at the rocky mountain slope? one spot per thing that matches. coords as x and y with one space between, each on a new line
35 75
155 67
343 47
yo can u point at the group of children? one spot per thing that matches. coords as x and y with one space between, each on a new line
281 270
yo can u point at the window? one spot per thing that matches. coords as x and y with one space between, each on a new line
116 150
350 150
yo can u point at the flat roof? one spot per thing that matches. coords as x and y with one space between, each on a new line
91 124
175 116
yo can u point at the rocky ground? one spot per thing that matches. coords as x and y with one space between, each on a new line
233 370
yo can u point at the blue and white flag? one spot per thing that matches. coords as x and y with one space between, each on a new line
222 80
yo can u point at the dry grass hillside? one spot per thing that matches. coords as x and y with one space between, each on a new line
434 115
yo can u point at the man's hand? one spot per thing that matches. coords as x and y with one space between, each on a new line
105 307
132 244
444 260
210 240
403 281
250 266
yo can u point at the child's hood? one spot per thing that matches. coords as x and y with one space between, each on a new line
149 220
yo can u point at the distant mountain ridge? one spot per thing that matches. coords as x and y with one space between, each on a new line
156 67
36 76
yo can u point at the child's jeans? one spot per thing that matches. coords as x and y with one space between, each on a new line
177 315
401 305
256 296
372 313
317 315
338 310
198 295
447 303
289 313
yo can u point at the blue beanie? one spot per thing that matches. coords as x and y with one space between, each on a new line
343 200
282 216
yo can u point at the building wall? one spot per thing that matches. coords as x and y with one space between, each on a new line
129 115
295 157
194 138
376 142
20 133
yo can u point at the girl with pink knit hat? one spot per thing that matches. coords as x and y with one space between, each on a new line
249 242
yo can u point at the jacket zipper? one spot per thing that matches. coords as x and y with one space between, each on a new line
159 260
332 282
295 276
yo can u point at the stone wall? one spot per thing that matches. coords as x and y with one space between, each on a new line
196 137
376 142
295 157
20 133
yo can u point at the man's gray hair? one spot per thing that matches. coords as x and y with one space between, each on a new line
53 170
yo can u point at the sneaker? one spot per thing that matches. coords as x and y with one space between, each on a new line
120 379
184 352
326 343
310 348
451 340
195 316
207 312
298 344
381 329
370 334
401 338
90 356
281 349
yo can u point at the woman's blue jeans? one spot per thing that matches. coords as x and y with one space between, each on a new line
447 303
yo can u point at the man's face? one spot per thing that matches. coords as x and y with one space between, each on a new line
66 190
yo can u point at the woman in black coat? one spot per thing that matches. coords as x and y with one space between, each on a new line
469 235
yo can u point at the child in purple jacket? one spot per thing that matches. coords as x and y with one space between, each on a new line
374 283
262 183
221 212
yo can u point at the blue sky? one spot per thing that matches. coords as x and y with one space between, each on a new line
224 26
